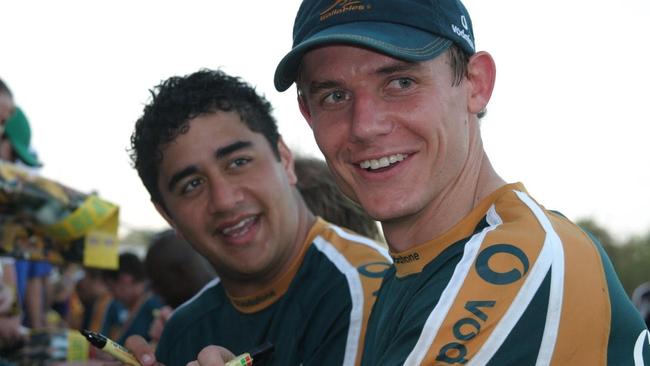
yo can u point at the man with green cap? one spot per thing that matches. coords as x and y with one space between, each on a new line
483 274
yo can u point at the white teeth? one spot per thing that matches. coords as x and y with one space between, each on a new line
382 162
239 225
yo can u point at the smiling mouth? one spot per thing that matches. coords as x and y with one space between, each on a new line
383 162
239 229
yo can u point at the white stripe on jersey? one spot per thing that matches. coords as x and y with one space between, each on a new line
208 285
361 239
556 296
638 348
440 311
551 255
356 295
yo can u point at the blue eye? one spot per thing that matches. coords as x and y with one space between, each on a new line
402 83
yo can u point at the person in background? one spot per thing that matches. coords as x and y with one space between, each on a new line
171 260
9 319
62 303
641 300
129 285
394 91
15 141
11 331
208 151
176 272
324 198
31 276
97 302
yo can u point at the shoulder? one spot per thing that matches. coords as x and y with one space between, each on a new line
204 302
337 242
185 320
354 262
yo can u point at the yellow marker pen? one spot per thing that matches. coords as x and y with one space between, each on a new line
111 347
246 359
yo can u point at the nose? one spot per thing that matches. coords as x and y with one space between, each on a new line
369 119
225 195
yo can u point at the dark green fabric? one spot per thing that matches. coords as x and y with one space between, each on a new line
530 327
620 350
403 306
308 325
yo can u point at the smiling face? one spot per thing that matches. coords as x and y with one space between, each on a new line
228 195
393 132
396 134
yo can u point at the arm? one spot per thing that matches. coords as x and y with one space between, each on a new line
35 301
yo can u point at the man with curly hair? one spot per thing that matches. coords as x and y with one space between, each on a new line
208 151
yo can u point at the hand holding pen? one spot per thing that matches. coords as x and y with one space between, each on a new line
111 347
215 356
209 356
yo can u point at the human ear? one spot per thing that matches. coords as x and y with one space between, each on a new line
481 74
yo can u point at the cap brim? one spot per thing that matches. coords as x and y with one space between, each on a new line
26 156
395 40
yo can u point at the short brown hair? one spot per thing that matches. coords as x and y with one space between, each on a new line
323 197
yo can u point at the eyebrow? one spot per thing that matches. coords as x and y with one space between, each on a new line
398 66
391 68
177 177
219 154
229 149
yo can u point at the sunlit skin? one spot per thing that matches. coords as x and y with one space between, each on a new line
364 106
225 192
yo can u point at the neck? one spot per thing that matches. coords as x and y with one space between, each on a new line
476 180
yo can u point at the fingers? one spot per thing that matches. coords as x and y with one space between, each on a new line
156 328
165 313
141 350
162 315
212 356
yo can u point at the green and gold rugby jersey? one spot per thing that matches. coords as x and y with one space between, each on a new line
511 284
314 314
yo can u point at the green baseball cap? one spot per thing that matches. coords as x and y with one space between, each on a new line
19 135
410 30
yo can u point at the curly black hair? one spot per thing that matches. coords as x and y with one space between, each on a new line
178 100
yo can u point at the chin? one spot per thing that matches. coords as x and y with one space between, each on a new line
390 212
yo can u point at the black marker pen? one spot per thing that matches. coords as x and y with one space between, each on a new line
111 347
